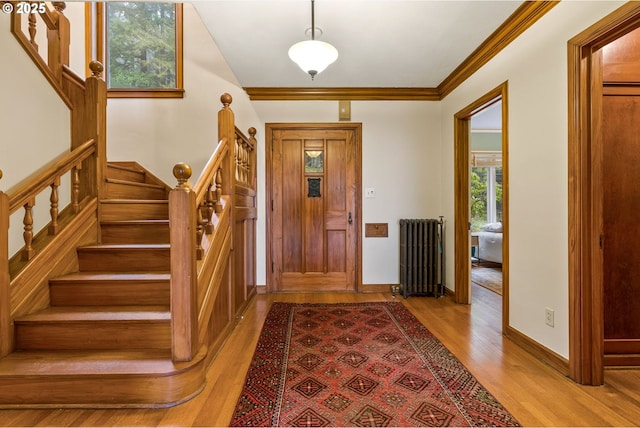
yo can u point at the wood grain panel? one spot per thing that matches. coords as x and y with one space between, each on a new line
336 181
314 238
292 182
337 242
621 157
621 58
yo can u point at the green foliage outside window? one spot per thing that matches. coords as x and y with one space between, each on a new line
479 182
141 45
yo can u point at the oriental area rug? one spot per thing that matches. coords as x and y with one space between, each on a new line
360 364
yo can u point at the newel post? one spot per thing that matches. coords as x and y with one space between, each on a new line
94 125
227 130
182 233
253 159
6 334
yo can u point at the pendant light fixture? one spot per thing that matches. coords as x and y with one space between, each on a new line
313 56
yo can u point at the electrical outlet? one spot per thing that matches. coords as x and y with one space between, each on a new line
548 317
370 192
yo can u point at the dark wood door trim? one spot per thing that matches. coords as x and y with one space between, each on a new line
357 216
462 244
586 308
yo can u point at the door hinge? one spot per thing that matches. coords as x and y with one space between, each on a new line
601 240
271 204
272 268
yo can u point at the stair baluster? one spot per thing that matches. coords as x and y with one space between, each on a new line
28 251
53 226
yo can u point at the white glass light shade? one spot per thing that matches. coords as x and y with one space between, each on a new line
313 56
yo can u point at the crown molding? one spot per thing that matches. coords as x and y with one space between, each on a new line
376 94
519 21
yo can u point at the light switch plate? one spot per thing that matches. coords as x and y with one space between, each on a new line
344 110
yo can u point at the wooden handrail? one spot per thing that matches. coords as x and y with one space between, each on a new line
58 42
42 178
49 17
208 172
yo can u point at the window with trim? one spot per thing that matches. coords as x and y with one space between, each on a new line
140 44
486 189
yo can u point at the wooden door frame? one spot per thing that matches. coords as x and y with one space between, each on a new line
586 290
462 251
357 130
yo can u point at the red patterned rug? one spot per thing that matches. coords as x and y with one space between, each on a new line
362 364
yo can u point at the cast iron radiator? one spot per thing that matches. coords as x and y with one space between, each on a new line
422 267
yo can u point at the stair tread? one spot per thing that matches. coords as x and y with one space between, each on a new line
110 276
78 362
134 183
98 313
134 201
136 222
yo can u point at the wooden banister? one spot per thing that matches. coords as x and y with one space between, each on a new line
210 169
245 158
24 193
204 209
44 176
58 41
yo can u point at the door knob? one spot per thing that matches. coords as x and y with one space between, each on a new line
350 219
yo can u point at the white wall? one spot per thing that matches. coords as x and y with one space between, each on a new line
400 159
535 66
158 133
35 126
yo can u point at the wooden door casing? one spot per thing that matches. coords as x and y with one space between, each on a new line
314 240
586 290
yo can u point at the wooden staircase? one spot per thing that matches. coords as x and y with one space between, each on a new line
105 340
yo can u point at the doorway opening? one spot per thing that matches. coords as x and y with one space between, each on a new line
481 196
486 185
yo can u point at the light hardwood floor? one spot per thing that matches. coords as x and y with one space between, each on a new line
534 393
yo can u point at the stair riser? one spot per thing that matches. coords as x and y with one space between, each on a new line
133 211
124 260
121 293
124 174
135 234
131 191
114 391
84 335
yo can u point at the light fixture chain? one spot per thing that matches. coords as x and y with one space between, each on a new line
313 20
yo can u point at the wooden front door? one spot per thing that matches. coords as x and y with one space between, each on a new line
314 190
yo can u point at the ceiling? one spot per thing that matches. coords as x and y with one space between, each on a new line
381 43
